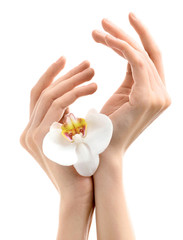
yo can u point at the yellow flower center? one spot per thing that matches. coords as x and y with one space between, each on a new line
73 126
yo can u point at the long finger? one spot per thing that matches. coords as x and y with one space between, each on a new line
78 69
99 37
45 81
119 33
149 44
137 63
50 95
81 67
57 108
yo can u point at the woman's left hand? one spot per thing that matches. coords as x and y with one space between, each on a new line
142 96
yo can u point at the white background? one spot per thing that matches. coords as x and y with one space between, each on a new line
33 35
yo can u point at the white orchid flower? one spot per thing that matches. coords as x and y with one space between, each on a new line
79 141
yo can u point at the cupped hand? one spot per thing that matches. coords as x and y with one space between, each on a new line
142 96
49 103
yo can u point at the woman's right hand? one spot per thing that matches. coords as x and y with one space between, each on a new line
49 103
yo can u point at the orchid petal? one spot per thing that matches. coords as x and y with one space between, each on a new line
99 131
87 162
57 148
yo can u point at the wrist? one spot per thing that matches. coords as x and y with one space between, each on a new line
77 200
79 191
74 219
114 151
110 167
76 207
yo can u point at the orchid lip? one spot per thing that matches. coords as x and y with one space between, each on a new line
68 144
73 126
78 138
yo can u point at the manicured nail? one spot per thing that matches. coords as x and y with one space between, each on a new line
85 62
97 31
106 20
60 59
133 16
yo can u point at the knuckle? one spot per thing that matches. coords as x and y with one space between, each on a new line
73 83
140 62
46 96
76 93
168 101
33 92
57 105
22 140
160 103
150 103
29 138
33 139
30 141
156 104
72 72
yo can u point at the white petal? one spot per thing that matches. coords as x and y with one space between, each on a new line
87 162
58 149
99 131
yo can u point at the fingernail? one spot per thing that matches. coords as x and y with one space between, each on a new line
60 59
97 31
106 19
85 62
133 16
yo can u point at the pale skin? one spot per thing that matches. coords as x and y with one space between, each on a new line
140 99
49 103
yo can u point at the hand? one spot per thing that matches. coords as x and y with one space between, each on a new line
137 102
142 96
49 103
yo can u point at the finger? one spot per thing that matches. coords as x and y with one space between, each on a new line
50 95
119 33
45 81
84 65
138 65
56 110
63 119
99 37
128 81
81 67
149 44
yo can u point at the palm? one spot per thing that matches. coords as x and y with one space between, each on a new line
119 98
118 106
67 177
